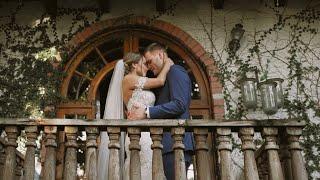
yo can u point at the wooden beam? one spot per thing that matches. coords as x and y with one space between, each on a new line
51 7
154 123
101 56
104 5
83 75
160 5
218 4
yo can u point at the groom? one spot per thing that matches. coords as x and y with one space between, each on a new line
173 101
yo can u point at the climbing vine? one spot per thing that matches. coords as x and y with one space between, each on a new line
33 56
267 53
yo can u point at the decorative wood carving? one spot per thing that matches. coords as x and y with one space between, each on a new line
11 145
29 163
71 153
248 148
91 153
225 148
114 147
298 167
178 147
134 147
157 162
51 145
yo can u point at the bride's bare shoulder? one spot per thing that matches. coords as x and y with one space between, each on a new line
129 77
130 81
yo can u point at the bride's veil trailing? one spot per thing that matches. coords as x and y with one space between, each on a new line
113 110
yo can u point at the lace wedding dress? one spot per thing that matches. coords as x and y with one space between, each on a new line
114 110
142 98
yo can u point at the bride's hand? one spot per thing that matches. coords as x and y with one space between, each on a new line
136 113
170 62
167 61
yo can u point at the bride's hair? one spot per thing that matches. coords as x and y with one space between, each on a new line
130 59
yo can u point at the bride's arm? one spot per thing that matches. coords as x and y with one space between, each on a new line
161 78
130 82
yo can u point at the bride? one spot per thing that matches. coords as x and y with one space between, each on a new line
130 76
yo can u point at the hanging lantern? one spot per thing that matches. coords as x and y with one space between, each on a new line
279 91
236 35
249 93
268 97
237 32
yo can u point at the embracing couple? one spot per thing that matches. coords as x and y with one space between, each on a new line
173 88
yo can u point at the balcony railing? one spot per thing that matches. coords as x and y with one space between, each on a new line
266 163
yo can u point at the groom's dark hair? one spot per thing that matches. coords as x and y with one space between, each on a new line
153 47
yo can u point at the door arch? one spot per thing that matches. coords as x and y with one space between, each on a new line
98 47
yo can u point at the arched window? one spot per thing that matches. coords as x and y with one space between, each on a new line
90 69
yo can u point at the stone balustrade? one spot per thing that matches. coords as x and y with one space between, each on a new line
280 156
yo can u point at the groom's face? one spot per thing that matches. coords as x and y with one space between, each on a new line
154 61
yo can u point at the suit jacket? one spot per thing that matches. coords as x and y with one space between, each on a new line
173 101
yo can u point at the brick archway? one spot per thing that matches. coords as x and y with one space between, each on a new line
195 48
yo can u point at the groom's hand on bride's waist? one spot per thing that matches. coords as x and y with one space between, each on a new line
137 113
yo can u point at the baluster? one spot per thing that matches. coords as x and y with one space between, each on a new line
285 157
18 171
70 168
259 165
265 170
51 145
60 154
91 153
195 171
42 154
202 155
2 160
271 147
178 147
114 147
248 148
29 162
263 166
225 148
135 165
11 145
298 167
157 162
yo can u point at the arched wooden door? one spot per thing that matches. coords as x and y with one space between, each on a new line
89 71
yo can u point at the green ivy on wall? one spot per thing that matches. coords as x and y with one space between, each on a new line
32 58
296 56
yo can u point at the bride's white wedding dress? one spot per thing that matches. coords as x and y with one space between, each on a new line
114 110
142 98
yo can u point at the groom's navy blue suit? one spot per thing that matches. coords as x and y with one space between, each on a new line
173 101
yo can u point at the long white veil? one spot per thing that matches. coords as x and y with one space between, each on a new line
113 110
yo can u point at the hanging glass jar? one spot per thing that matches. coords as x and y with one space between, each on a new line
249 93
279 91
268 97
